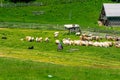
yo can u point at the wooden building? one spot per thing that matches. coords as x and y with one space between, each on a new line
72 27
110 14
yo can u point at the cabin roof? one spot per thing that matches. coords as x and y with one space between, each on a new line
112 9
68 26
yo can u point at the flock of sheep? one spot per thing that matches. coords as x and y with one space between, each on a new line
90 40
87 43
84 40
37 39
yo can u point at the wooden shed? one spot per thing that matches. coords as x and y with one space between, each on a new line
72 27
110 14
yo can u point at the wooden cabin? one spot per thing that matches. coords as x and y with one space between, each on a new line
72 28
110 14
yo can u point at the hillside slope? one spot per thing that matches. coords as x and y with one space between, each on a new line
84 12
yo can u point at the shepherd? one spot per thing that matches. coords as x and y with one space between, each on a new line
60 47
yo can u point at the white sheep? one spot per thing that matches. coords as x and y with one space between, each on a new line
56 34
66 41
96 44
106 44
102 44
100 23
39 39
85 43
77 33
57 41
90 43
47 39
117 46
76 42
29 38
109 38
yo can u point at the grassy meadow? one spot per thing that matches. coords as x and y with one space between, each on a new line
72 63
29 70
44 62
84 12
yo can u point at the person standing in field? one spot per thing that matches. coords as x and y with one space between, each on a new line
60 47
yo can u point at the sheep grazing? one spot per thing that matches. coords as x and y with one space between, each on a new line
39 39
47 39
85 37
56 34
100 23
57 41
103 44
109 38
90 43
29 38
106 44
76 42
96 44
98 38
66 41
87 43
77 33
117 46
117 38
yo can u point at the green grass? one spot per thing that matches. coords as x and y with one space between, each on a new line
13 45
18 62
29 70
85 13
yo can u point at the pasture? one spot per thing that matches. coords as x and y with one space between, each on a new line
41 19
83 12
72 63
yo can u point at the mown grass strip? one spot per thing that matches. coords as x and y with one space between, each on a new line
58 58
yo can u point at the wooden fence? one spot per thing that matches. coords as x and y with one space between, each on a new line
8 5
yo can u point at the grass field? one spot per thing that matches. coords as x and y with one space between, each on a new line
44 62
84 12
30 70
72 63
